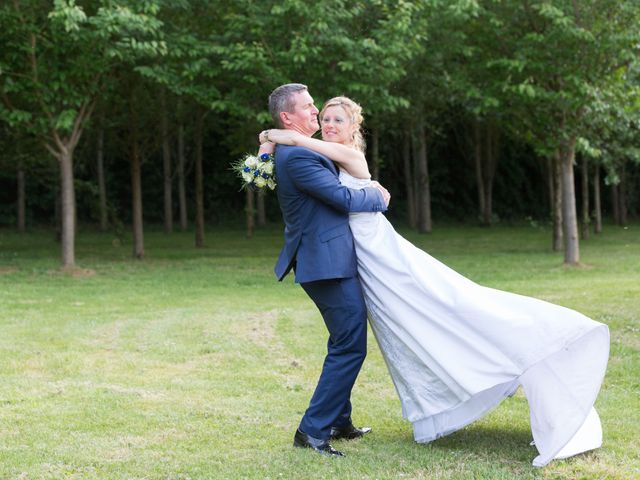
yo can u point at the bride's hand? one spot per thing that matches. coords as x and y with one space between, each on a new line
277 135
386 196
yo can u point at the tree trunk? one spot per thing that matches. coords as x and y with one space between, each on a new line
477 156
199 179
261 210
136 181
67 208
102 189
584 174
166 164
250 197
622 196
182 191
489 169
557 240
63 152
550 184
597 207
375 154
424 191
415 149
615 204
136 193
569 213
21 199
408 180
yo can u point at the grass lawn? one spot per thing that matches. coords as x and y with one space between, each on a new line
197 363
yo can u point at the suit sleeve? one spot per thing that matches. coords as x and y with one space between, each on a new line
311 176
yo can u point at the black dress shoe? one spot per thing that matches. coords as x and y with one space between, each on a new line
349 432
302 440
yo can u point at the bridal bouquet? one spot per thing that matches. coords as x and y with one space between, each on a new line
257 172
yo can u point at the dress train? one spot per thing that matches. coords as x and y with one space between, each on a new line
456 349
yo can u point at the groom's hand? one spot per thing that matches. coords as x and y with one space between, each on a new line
386 196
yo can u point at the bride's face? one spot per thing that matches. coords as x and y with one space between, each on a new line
336 126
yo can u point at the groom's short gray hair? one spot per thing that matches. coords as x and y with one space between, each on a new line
281 100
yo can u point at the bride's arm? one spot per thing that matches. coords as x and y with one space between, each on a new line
349 159
266 147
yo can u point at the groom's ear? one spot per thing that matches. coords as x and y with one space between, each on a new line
284 119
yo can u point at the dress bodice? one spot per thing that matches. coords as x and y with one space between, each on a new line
353 182
364 219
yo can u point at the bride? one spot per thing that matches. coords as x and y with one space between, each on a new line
456 349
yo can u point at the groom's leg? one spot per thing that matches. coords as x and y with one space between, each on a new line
344 312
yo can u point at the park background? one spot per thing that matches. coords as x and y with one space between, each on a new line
144 335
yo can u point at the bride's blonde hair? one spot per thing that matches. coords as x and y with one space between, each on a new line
354 112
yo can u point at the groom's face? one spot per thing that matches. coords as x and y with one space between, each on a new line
304 117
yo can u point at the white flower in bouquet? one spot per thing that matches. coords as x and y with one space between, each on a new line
267 168
260 181
251 161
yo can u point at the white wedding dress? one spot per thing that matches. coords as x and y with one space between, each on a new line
456 349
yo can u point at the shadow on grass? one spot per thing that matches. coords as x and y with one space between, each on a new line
501 443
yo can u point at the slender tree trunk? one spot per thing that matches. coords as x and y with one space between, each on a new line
490 162
136 192
67 208
550 171
182 191
557 241
584 176
166 164
261 210
424 191
597 207
415 149
569 212
622 196
199 179
477 156
102 188
250 198
615 204
408 179
64 154
67 195
375 154
21 200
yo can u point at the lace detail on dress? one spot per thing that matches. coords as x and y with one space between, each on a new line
420 390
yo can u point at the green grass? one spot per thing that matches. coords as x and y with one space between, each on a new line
196 363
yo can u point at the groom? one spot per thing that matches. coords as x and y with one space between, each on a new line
320 249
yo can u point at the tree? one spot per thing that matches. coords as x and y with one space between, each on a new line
558 58
53 67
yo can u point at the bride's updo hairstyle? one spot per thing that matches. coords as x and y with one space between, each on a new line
354 112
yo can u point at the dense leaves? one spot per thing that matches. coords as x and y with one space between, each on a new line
485 89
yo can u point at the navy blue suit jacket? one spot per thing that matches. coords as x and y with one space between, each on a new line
315 208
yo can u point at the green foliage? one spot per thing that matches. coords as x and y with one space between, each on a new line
541 71
58 59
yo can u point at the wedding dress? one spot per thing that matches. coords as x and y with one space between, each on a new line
456 349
